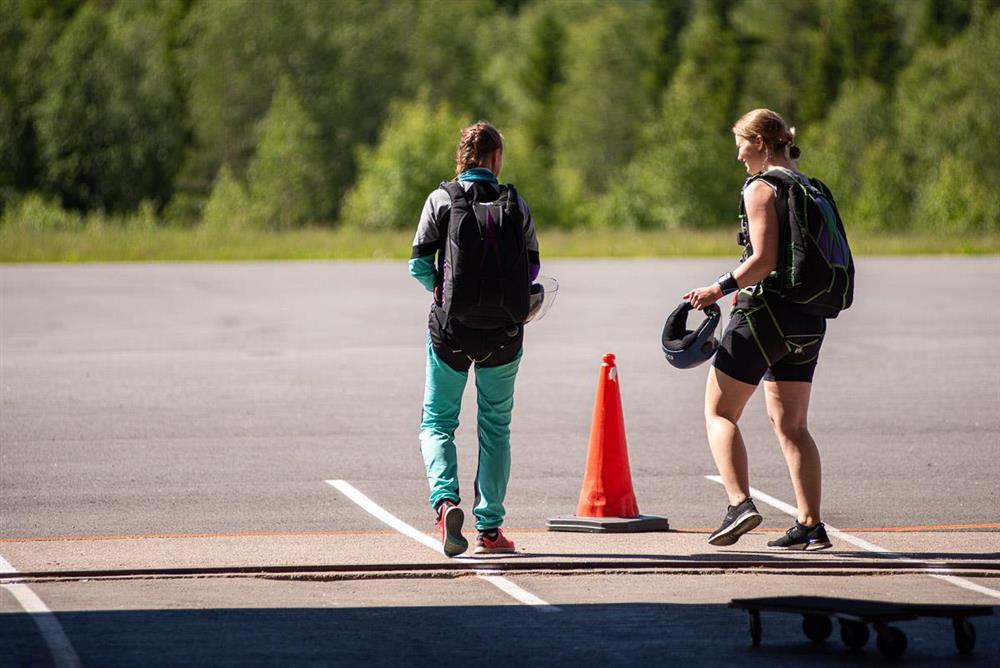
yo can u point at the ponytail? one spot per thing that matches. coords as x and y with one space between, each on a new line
477 142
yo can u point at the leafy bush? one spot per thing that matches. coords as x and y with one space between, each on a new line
415 153
228 207
38 213
948 113
286 177
951 202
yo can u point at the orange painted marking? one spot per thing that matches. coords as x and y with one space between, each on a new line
390 532
245 534
928 527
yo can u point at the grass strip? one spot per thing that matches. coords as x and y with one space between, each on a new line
111 243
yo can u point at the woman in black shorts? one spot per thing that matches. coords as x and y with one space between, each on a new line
767 338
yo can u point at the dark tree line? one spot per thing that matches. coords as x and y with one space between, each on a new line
283 113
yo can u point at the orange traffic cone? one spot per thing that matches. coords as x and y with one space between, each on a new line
607 501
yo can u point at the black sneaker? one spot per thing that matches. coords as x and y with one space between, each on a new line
801 537
739 520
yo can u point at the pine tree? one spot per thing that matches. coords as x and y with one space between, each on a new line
109 123
686 175
228 206
606 98
287 180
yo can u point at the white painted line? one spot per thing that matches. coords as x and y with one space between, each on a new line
5 566
381 513
512 590
865 545
789 509
63 654
490 575
966 584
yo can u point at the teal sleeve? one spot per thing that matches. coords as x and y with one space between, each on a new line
422 269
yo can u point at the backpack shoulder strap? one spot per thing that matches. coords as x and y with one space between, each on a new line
777 178
822 187
457 194
453 189
508 195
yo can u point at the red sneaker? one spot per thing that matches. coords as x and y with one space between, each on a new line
499 544
450 519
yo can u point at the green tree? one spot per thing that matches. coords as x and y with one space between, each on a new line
288 186
109 125
537 74
949 201
933 21
228 206
854 152
868 38
833 150
799 51
28 31
347 62
948 112
671 17
687 176
444 63
606 99
13 121
415 153
783 49
527 71
234 54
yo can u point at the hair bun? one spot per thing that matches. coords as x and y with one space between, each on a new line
794 152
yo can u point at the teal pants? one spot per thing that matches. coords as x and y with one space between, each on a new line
442 403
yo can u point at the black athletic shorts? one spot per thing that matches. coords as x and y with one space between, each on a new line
770 339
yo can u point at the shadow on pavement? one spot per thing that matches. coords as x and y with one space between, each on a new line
630 634
869 556
759 556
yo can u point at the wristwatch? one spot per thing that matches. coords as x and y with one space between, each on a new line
727 283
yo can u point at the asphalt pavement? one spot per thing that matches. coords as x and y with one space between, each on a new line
171 437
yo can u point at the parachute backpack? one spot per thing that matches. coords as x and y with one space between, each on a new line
815 267
485 278
686 349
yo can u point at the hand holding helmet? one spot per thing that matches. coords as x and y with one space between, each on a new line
685 348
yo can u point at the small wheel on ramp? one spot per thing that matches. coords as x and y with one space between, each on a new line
891 642
755 627
965 635
854 634
817 627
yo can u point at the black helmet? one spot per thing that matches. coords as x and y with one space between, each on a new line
686 349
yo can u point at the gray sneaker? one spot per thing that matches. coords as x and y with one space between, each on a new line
739 520
801 537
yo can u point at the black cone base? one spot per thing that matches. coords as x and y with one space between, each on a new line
608 524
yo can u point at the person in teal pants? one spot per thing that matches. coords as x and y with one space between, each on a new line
453 350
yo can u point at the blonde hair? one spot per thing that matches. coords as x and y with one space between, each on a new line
771 127
477 142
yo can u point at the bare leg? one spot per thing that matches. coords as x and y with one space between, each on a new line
788 408
725 398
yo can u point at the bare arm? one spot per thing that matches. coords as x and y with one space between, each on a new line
762 217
